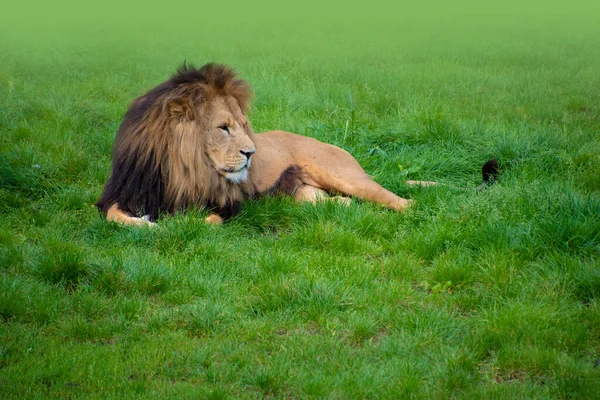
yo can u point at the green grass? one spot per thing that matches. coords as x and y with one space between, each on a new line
492 294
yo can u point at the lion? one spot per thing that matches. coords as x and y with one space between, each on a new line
188 143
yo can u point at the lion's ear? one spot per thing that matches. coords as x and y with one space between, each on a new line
181 109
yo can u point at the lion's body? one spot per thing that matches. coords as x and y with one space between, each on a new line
325 169
188 142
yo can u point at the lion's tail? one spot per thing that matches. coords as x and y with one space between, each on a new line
489 174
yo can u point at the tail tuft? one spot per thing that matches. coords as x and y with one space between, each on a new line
489 171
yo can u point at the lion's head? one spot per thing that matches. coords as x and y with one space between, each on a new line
186 142
227 138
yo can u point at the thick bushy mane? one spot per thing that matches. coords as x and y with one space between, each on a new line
158 161
217 79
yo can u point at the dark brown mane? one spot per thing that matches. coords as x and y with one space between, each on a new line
148 175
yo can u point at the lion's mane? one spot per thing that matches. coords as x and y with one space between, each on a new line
158 166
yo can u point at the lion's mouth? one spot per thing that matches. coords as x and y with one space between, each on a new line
233 170
237 175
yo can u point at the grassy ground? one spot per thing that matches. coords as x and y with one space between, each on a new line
493 294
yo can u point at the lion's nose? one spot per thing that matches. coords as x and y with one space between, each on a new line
247 153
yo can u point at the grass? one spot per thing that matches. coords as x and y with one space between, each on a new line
469 294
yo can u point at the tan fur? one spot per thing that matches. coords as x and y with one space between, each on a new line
181 134
326 169
214 219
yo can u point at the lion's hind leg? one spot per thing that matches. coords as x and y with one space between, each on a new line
336 171
358 184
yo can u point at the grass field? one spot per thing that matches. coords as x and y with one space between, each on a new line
492 294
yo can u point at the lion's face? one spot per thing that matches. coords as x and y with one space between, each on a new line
228 138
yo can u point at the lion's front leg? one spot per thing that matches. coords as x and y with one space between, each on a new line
115 214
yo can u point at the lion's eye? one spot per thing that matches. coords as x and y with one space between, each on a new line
224 128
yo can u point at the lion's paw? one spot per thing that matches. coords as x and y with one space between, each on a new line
214 219
342 200
142 221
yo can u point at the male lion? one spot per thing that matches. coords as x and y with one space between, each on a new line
188 142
